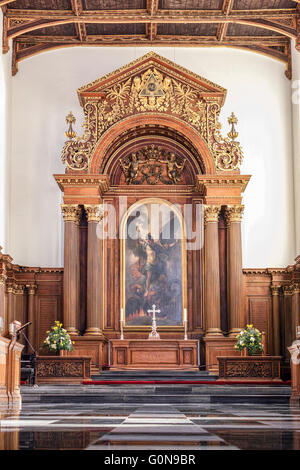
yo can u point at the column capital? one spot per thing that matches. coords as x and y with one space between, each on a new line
71 212
297 288
3 278
211 213
234 213
9 287
18 289
275 290
31 288
288 289
94 212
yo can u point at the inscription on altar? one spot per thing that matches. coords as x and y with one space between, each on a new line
152 357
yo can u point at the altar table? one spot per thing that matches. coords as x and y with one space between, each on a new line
154 354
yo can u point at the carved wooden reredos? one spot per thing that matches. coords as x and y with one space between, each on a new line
155 104
151 132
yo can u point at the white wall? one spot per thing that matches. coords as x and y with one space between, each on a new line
5 82
44 91
296 140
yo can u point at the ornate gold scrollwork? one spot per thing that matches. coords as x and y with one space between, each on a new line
227 152
152 91
77 150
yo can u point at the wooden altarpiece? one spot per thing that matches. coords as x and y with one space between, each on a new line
151 131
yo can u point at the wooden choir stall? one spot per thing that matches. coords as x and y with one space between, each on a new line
10 361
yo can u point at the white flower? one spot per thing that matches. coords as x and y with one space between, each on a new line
252 339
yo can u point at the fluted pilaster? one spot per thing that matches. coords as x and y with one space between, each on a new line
212 274
275 319
71 214
10 303
94 295
2 302
31 290
296 306
233 217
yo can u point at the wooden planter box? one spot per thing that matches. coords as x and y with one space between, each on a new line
256 368
62 369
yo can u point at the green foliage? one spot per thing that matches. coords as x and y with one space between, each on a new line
249 338
58 339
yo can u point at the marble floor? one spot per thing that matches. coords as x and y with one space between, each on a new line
150 426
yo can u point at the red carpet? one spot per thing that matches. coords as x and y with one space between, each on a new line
182 382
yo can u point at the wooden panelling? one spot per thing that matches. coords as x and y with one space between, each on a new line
259 313
258 304
47 315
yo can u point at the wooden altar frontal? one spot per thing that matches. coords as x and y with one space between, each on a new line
154 354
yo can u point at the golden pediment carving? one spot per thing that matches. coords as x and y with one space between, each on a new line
155 85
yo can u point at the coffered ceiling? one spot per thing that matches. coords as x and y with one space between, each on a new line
263 26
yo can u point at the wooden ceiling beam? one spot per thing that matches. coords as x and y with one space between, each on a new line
152 7
222 28
81 31
77 9
27 46
21 52
39 19
151 31
268 41
227 7
151 28
140 16
5 2
298 34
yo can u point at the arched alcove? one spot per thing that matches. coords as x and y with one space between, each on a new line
152 126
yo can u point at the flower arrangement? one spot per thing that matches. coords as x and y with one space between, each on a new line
58 339
251 339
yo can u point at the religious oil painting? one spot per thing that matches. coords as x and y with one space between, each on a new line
153 264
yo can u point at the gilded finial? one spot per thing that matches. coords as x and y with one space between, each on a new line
233 134
70 120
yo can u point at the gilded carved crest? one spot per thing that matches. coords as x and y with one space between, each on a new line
154 85
151 165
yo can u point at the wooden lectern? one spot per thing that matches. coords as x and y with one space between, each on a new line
10 362
294 350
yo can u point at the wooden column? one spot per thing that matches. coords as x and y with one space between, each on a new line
20 301
275 320
233 216
71 214
2 302
94 263
289 330
212 273
10 303
31 316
